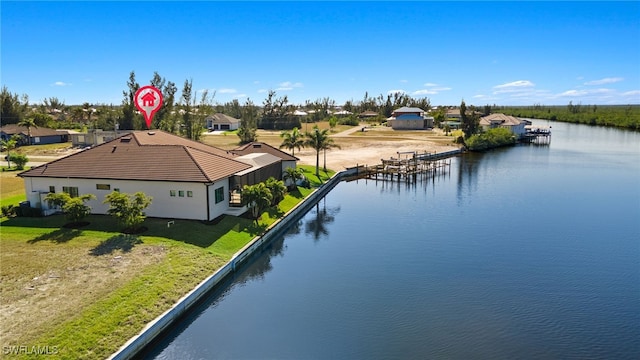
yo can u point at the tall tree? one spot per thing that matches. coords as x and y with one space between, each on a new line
319 140
189 122
128 104
12 107
28 122
248 123
470 121
292 140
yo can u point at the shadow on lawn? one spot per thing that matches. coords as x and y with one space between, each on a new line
58 236
124 242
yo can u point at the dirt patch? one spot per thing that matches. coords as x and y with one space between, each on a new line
62 282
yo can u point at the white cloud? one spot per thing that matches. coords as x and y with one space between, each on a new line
631 93
227 91
261 91
288 85
60 83
396 91
430 84
586 93
424 92
610 80
239 96
404 81
512 87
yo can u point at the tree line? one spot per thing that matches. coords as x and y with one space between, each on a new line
185 113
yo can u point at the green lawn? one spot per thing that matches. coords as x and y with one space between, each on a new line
88 290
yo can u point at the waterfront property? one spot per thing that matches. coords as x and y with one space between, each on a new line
514 124
185 178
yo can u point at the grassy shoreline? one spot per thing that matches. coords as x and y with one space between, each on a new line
87 291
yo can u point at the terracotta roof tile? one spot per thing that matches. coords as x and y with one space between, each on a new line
151 156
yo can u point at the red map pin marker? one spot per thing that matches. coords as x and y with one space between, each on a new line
148 100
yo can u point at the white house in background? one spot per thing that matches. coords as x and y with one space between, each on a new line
409 118
221 122
516 125
185 178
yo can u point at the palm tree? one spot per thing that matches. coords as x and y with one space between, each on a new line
28 123
277 189
329 144
292 174
8 145
292 140
319 140
257 197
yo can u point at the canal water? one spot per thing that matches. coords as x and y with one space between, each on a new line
524 252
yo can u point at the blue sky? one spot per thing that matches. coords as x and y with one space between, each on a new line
505 53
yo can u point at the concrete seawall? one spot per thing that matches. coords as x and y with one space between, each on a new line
162 322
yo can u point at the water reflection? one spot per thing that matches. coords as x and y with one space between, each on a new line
321 217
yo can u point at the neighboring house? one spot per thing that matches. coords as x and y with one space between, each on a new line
368 114
516 125
221 121
286 159
39 135
95 137
409 118
185 178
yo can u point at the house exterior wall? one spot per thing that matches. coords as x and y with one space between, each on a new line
217 209
408 124
163 204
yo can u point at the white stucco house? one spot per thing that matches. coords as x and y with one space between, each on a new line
185 178
221 121
516 125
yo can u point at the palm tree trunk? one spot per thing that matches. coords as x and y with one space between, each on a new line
318 163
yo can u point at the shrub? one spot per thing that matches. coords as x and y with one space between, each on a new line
19 159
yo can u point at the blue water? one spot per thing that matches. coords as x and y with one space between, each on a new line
525 252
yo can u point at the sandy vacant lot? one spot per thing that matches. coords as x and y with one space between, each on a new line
368 147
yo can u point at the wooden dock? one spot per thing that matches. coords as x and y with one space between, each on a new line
407 166
537 135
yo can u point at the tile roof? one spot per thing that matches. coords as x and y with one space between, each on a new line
145 155
260 147
220 118
11 129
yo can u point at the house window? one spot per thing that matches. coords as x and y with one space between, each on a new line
189 193
71 190
172 193
219 194
103 187
181 193
52 189
36 139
